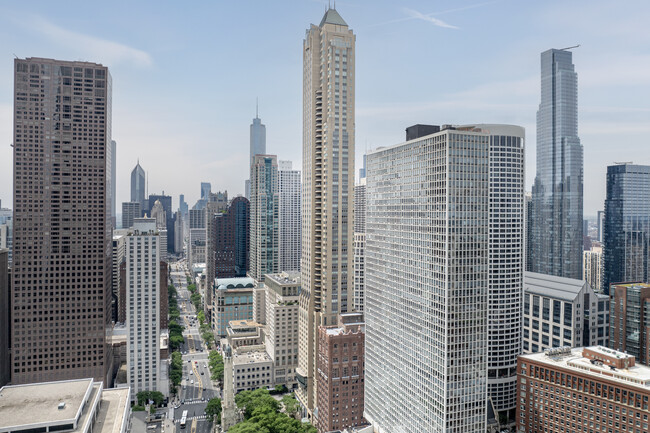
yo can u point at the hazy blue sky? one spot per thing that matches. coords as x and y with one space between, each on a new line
186 75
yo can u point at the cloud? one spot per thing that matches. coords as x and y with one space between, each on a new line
435 21
90 46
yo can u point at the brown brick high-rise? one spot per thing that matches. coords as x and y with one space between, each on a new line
61 297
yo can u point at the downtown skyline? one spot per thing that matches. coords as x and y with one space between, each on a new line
160 114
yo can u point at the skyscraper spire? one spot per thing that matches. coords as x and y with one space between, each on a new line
257 106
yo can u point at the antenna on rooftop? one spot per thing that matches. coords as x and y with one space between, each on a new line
570 48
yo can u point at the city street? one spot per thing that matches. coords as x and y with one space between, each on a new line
196 386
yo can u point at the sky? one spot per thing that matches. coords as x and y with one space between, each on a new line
186 76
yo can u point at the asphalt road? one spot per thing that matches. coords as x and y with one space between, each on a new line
196 386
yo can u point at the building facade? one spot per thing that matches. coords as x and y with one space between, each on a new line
556 242
130 211
281 339
412 327
62 221
359 244
118 257
629 326
592 263
145 371
232 300
257 147
138 186
289 220
328 181
229 240
627 224
5 358
561 312
591 389
264 217
341 374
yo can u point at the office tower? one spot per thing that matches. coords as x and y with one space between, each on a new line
62 237
264 255
257 145
118 257
145 371
6 230
113 183
178 233
289 190
281 335
444 263
230 240
5 358
182 206
206 188
328 180
562 311
528 204
158 214
138 185
630 320
593 267
627 224
130 211
556 242
597 389
232 300
166 202
601 225
359 242
197 219
341 374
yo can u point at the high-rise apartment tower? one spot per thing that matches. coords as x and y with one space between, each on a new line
61 290
264 233
556 239
328 182
290 198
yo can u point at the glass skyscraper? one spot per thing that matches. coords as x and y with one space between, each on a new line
556 235
627 224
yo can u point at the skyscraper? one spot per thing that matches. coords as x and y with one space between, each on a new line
5 358
61 290
556 242
289 191
264 233
444 277
113 183
257 145
138 185
145 371
627 225
328 181
130 211
359 240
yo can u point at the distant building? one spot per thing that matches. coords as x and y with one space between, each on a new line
158 213
206 189
6 231
264 215
257 146
130 211
113 183
282 328
528 204
341 352
229 240
166 202
630 320
145 371
590 389
601 226
69 406
138 185
178 233
232 299
5 359
289 219
593 267
556 239
563 312
626 249
182 206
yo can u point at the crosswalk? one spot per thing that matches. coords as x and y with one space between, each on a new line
198 417
194 401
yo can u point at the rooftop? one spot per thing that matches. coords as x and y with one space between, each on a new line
573 359
332 17
234 283
284 278
250 358
566 289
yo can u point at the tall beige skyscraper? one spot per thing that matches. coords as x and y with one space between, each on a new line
61 291
328 184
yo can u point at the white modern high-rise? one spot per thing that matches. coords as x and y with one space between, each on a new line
444 276
359 243
145 371
264 239
328 181
289 190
